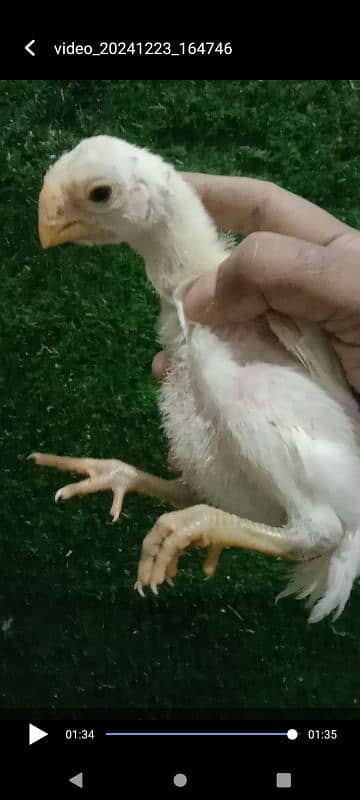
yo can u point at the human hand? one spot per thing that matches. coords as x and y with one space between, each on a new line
295 258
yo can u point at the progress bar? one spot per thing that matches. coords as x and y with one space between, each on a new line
291 734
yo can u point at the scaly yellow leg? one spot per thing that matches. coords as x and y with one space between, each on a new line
211 528
116 476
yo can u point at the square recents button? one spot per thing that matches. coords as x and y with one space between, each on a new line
283 780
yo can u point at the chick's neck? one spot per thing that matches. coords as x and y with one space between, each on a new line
184 245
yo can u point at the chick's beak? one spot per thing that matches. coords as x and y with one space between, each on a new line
57 224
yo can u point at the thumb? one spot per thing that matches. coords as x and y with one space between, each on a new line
230 294
268 270
200 298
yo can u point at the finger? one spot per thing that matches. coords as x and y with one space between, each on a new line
245 205
350 240
349 356
159 366
288 275
235 204
199 300
224 298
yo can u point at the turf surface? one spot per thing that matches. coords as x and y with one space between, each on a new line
77 341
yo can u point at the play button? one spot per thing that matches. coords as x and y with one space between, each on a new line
78 780
35 734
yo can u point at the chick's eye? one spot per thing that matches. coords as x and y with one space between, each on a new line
100 194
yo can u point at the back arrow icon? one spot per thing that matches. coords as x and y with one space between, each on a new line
28 47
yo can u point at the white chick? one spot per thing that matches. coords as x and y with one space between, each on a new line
259 416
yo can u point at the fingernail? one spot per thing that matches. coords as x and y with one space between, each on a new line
200 297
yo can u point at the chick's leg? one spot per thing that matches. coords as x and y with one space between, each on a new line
213 529
116 476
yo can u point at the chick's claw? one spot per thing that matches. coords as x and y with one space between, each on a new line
103 475
172 534
212 560
171 570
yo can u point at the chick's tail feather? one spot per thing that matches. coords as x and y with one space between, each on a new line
327 581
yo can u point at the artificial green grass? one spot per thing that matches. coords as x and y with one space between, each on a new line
77 341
